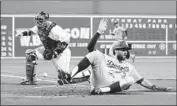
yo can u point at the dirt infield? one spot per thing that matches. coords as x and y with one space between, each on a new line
47 92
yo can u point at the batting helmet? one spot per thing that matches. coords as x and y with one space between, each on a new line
122 45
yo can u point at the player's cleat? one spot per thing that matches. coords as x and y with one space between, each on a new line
63 78
96 91
63 81
161 89
168 89
27 82
60 82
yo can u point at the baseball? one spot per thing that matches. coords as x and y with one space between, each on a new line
45 74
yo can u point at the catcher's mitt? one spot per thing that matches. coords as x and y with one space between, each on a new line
61 46
48 54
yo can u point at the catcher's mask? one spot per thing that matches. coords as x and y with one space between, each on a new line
41 18
123 46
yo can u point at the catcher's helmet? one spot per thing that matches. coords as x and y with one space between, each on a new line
41 17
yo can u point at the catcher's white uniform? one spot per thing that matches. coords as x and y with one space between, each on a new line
63 60
55 47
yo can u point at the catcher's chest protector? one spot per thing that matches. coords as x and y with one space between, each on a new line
48 43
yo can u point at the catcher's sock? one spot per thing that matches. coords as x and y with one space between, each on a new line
83 64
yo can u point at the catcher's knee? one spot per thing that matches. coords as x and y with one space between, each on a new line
31 56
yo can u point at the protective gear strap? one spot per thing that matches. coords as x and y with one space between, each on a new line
30 64
45 35
48 29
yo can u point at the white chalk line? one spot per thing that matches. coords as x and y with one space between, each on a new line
68 85
161 93
14 76
51 86
146 92
45 97
64 96
55 82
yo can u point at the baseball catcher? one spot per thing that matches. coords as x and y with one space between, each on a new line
55 48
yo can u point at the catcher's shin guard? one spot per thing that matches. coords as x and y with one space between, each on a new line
30 68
